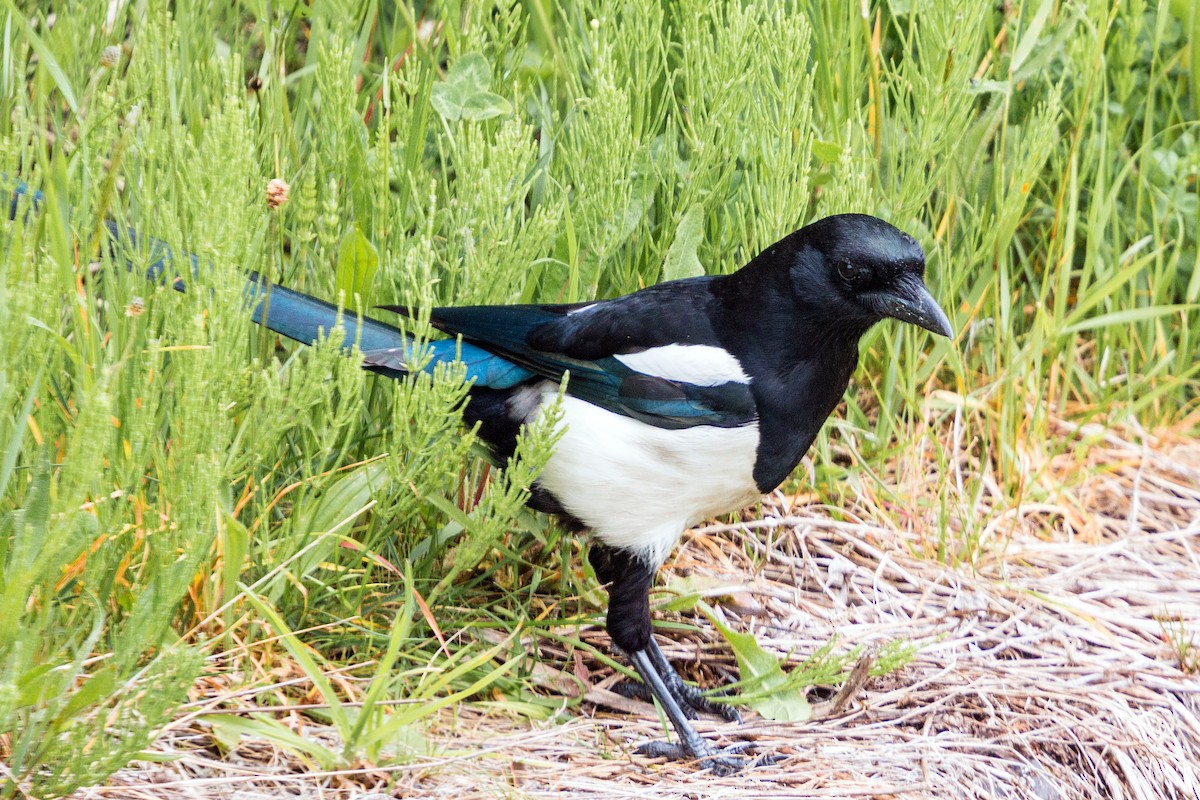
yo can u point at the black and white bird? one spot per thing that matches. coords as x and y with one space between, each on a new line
684 401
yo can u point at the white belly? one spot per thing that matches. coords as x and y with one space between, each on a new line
638 487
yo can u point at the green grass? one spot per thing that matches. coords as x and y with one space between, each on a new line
174 484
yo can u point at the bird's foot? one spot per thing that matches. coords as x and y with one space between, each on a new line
691 700
721 760
701 703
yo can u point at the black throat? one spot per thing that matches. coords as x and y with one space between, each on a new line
800 379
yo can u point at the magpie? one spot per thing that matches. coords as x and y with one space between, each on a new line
685 400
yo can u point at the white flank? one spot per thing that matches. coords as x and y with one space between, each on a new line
582 309
638 487
697 364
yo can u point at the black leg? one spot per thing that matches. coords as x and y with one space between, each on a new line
628 581
691 700
629 626
688 696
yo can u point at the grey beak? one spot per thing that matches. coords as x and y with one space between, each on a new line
913 303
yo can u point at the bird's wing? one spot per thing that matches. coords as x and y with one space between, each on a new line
621 355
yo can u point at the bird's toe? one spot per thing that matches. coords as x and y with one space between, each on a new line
720 761
636 690
692 701
702 703
723 765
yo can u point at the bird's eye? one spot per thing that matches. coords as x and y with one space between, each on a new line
847 271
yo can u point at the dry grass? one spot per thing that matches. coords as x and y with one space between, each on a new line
1064 665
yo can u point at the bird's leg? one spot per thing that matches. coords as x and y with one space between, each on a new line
628 624
687 695
691 700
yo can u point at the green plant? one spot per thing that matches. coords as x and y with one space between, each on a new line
170 474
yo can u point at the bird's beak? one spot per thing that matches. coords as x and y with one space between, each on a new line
913 303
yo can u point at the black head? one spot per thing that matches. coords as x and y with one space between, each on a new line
856 269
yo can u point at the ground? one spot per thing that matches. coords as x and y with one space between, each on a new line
1062 663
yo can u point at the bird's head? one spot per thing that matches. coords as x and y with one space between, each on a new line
862 269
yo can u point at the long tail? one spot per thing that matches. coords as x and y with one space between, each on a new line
386 349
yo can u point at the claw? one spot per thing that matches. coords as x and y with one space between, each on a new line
721 761
714 759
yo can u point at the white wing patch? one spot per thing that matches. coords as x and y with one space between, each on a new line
697 364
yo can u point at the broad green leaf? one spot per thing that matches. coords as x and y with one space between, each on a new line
827 152
681 261
356 265
447 100
485 105
345 498
465 94
633 216
772 695
228 736
472 72
342 502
